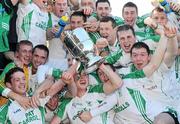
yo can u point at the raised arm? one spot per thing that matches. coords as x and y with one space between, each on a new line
172 48
115 81
55 88
45 85
66 78
158 56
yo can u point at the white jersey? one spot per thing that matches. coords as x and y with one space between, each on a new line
72 108
18 115
162 82
114 47
151 41
33 84
140 99
124 60
119 58
140 94
57 53
162 85
31 24
133 107
125 70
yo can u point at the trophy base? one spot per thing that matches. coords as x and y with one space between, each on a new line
93 67
92 59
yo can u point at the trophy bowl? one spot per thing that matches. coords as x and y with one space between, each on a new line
80 45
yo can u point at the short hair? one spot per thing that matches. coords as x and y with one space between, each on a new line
139 45
109 19
41 47
23 42
102 1
80 14
130 4
158 9
9 74
125 27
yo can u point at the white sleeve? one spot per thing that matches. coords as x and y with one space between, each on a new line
106 105
163 67
41 73
5 92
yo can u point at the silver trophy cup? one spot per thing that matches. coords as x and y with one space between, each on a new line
80 45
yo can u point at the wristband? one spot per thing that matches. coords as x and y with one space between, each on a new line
6 92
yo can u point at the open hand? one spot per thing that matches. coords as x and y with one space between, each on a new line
169 31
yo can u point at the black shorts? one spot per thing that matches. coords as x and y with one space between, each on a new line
172 115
